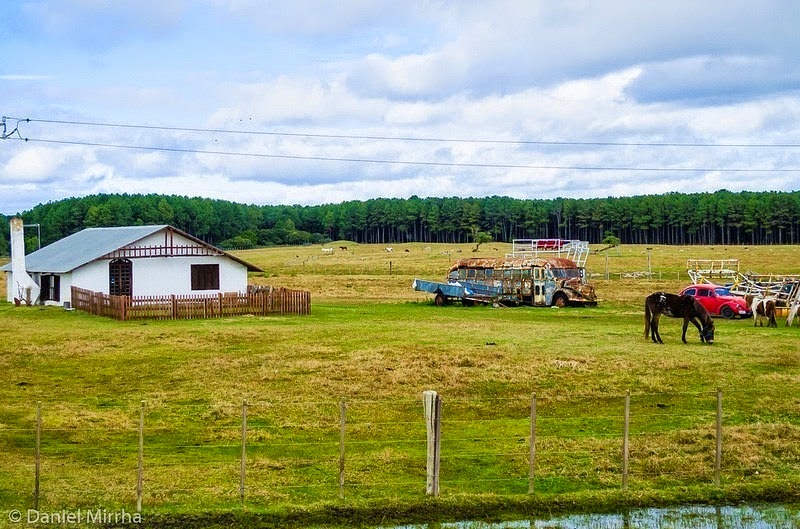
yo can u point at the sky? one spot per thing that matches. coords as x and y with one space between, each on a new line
310 102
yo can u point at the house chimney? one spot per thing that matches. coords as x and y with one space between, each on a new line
27 289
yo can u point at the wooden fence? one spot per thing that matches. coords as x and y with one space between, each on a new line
179 307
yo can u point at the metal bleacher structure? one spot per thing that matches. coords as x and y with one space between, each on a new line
572 249
785 289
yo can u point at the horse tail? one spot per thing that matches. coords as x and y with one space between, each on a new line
769 310
647 316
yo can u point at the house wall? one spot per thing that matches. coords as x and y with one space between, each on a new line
172 275
152 276
157 276
10 286
92 276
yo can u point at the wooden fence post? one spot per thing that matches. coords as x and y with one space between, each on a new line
718 458
342 424
244 452
532 464
625 439
139 480
433 425
38 461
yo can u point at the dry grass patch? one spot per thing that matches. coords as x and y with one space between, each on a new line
378 350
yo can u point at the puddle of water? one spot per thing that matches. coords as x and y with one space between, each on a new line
688 517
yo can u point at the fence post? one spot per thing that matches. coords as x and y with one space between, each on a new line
532 466
625 438
244 451
433 426
139 481
342 423
718 458
38 461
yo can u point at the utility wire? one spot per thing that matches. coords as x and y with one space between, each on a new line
410 162
411 138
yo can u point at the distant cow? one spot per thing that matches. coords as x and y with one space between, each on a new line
327 251
343 248
764 308
389 249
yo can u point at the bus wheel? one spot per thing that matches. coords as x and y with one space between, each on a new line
560 300
439 300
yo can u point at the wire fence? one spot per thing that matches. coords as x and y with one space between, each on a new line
153 454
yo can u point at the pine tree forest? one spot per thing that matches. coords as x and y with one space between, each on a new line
722 217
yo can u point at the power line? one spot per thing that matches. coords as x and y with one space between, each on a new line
408 138
409 162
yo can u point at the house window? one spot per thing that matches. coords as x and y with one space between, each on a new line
51 288
205 277
120 277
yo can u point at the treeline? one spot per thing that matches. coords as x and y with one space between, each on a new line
722 217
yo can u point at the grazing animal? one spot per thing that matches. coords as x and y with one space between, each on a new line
676 306
343 248
763 308
389 249
327 251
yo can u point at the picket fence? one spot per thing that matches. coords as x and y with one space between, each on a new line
177 307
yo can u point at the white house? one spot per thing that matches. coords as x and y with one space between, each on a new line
132 261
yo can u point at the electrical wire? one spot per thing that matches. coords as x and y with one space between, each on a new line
410 138
413 162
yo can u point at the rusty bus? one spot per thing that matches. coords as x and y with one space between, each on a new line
538 273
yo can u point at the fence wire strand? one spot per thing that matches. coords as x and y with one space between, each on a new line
210 455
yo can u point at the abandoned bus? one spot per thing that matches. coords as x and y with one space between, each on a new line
537 281
539 272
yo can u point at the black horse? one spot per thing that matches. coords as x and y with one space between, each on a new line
675 306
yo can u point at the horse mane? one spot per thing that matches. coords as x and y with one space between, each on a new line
702 313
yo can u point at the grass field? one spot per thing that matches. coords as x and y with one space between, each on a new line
374 343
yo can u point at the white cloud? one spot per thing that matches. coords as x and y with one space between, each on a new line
36 164
607 71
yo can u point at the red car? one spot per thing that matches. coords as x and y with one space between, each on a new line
718 301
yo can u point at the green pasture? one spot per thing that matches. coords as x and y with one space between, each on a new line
375 345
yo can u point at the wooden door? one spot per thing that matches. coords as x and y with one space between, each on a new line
120 277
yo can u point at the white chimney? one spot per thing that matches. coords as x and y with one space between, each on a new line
27 289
